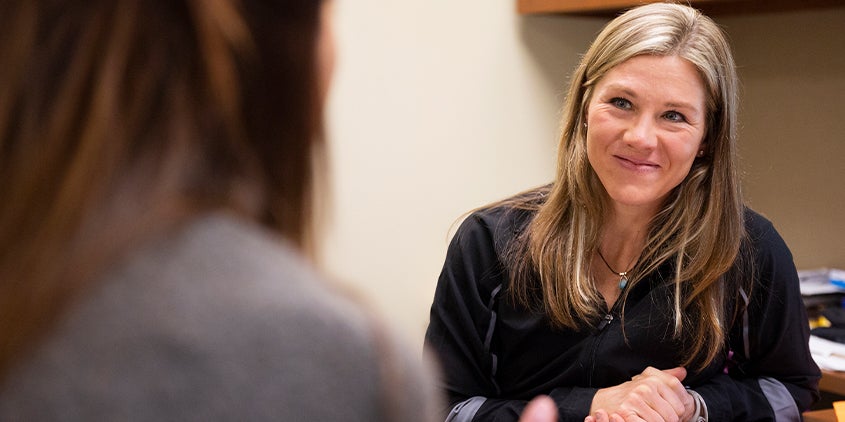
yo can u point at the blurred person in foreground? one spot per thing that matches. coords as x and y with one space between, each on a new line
157 169
638 286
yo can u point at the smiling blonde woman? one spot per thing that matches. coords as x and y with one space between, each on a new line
636 286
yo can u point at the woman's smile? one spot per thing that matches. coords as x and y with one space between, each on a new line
636 164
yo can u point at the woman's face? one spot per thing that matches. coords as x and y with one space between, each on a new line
645 125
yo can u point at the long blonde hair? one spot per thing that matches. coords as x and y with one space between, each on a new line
700 227
120 118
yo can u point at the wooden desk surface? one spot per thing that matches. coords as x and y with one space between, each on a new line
826 415
833 382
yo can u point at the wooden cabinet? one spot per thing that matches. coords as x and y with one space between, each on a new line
710 7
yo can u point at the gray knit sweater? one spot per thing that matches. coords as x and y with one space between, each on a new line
217 321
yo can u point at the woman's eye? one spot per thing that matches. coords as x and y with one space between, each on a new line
621 103
674 116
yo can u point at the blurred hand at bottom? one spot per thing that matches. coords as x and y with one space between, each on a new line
541 409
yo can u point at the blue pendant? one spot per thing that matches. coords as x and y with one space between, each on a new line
623 280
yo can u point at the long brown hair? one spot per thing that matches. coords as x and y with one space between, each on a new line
700 227
120 118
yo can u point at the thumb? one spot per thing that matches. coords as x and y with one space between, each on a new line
679 372
541 409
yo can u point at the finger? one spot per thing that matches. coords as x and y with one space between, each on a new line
675 397
674 407
653 392
646 405
601 416
666 411
661 409
670 378
541 409
666 402
679 372
669 375
631 418
634 416
615 417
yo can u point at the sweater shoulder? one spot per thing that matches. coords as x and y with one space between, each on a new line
217 320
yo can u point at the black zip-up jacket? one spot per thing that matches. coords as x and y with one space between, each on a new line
496 356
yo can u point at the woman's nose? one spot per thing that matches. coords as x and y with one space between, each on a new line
641 133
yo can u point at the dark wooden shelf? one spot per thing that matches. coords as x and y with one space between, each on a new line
710 7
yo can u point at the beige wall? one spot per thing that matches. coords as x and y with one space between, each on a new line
441 106
792 139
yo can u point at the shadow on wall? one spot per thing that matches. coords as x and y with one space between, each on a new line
556 44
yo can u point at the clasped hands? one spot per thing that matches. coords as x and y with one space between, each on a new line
652 396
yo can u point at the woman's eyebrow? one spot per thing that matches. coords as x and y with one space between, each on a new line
682 105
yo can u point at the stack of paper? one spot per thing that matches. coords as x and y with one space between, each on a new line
828 354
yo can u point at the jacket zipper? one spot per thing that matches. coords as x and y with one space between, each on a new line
605 322
602 327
